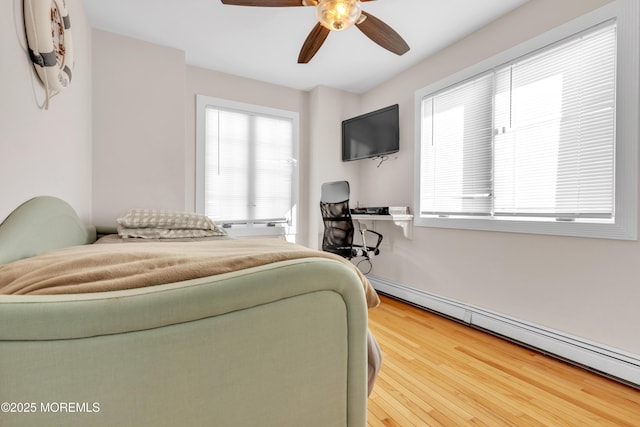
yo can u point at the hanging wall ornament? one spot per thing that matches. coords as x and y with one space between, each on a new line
48 29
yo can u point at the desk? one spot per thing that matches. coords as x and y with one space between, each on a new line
403 221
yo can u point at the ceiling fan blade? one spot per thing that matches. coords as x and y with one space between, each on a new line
263 3
312 44
383 34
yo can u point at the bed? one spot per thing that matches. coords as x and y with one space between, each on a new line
275 339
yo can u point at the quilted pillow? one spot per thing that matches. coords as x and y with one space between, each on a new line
161 224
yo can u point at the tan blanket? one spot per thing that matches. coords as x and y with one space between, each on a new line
100 268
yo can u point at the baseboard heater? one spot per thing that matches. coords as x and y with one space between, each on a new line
608 361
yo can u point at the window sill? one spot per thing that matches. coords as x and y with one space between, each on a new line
620 230
257 231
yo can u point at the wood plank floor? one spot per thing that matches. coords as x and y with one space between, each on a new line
437 372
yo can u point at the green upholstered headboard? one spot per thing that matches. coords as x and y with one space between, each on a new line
41 224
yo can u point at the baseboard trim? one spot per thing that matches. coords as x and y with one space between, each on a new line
603 359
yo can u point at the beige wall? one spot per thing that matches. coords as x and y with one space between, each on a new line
328 107
144 129
138 128
584 287
44 152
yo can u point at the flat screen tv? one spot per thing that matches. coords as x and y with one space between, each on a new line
373 134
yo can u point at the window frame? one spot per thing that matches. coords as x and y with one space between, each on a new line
249 228
624 227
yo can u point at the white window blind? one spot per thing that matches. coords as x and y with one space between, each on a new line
555 131
532 138
249 167
456 150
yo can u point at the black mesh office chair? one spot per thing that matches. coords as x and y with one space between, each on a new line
338 225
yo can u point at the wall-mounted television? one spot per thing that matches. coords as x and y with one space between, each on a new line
373 134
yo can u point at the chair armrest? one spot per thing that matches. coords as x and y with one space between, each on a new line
379 237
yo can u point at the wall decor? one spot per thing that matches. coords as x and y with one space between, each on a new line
48 29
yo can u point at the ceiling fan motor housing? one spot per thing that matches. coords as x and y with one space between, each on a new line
338 15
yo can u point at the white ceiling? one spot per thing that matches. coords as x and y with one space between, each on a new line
263 43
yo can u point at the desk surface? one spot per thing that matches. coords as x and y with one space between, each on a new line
387 217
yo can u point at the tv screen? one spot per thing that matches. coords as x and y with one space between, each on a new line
371 135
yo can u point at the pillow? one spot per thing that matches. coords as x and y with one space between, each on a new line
161 224
142 218
167 233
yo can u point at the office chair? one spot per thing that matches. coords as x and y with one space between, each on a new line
338 225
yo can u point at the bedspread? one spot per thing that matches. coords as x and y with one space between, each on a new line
109 267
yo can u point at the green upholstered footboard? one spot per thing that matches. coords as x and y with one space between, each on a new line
279 345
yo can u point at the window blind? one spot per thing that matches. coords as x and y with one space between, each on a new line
248 167
555 131
456 150
532 138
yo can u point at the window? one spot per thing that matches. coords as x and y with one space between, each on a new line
532 142
246 166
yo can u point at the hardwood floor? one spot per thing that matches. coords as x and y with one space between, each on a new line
437 372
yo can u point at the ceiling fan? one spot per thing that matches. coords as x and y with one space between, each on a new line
336 15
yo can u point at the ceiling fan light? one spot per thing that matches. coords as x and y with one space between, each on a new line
338 15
